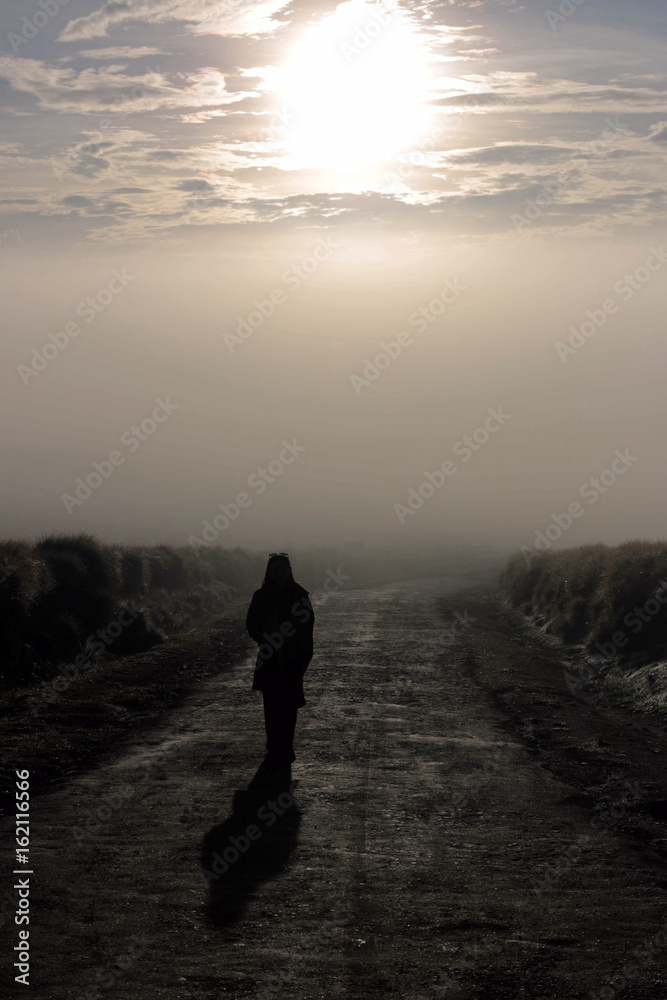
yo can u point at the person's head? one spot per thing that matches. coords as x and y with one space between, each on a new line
278 571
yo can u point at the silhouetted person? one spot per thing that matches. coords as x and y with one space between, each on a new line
280 619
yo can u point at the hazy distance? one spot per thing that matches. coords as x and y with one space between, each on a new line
513 266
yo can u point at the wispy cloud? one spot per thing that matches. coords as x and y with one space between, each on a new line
659 132
117 52
228 17
109 88
526 90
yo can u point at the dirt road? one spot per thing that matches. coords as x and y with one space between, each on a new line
437 836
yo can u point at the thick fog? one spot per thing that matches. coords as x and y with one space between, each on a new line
482 387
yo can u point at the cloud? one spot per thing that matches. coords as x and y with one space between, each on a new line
8 237
523 90
178 209
77 201
100 205
659 132
224 17
118 52
83 164
196 184
512 152
108 89
83 159
182 179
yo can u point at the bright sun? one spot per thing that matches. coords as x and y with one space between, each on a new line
354 90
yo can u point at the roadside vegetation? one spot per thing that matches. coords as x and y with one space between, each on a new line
611 600
71 599
69 596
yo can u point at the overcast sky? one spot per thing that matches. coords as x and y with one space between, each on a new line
215 213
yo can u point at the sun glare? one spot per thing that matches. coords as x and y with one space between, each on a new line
354 90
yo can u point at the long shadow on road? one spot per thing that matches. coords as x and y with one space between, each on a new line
252 846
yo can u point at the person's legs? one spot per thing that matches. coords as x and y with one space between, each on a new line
272 737
280 722
290 726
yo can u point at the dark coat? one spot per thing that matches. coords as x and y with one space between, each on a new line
281 623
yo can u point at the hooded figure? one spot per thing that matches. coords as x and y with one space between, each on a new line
280 619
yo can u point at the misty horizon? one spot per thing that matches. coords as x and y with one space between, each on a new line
193 223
